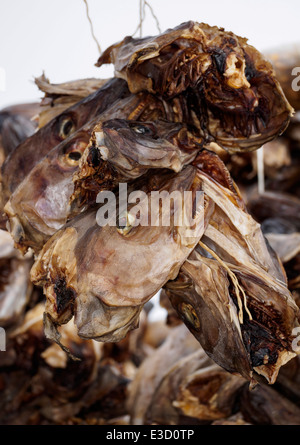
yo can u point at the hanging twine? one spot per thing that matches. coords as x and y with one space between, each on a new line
142 14
260 170
91 26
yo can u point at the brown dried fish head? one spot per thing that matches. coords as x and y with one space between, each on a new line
92 263
123 150
33 149
40 204
229 87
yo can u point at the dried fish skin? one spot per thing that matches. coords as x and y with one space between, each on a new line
265 406
234 230
268 297
202 300
178 344
84 267
40 205
58 97
33 149
232 291
15 285
176 59
205 300
123 150
179 384
15 289
165 407
230 88
16 124
43 386
131 145
208 393
36 209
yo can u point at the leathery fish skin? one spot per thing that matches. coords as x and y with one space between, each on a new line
90 278
229 87
232 291
49 195
177 100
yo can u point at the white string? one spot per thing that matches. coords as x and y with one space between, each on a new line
91 26
153 15
142 13
260 171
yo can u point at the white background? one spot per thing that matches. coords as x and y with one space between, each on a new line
54 35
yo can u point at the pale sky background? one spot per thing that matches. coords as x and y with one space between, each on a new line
54 35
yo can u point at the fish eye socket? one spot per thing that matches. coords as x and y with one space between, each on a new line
73 158
67 127
74 153
142 129
189 314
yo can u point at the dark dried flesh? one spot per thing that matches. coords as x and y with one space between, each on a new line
185 111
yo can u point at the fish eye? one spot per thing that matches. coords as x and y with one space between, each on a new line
141 129
189 314
66 127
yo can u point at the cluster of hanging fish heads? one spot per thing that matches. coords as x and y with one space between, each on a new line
179 105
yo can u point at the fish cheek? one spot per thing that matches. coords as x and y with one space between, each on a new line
204 327
186 311
189 314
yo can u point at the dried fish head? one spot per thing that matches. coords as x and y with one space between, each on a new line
33 149
60 96
123 150
133 145
16 124
120 150
84 267
40 204
232 291
15 285
229 87
203 303
178 345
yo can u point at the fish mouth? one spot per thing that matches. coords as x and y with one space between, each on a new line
15 227
33 222
94 322
270 373
30 230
